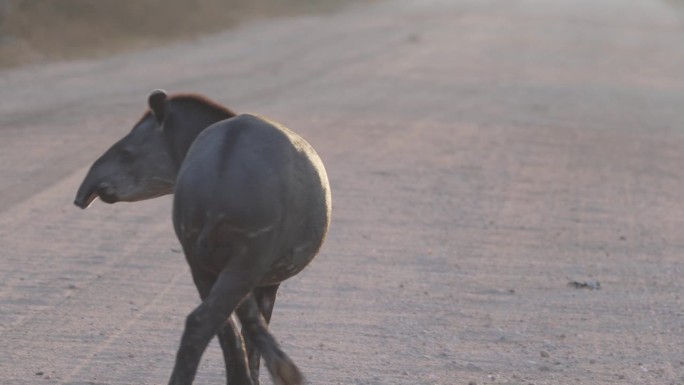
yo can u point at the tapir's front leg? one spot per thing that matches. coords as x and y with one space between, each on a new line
234 355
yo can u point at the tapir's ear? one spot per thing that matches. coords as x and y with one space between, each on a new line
158 101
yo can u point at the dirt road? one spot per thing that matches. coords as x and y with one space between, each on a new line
482 155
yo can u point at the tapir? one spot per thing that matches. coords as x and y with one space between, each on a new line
251 208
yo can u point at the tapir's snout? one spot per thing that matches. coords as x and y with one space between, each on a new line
90 190
83 202
85 196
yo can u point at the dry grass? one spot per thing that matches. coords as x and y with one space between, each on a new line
39 30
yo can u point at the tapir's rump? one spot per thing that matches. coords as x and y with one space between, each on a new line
246 177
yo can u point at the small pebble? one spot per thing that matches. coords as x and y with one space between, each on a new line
544 354
39 373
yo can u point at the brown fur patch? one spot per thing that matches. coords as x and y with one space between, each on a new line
200 99
192 98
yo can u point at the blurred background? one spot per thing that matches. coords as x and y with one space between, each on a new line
35 30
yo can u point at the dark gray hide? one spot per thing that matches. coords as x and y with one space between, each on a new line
251 208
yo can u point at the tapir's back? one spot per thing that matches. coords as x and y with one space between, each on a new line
250 177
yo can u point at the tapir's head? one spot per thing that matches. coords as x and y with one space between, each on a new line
137 167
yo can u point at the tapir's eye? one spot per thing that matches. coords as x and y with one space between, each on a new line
126 154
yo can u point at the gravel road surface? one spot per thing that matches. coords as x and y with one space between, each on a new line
482 154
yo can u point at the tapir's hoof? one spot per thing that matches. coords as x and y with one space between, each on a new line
285 372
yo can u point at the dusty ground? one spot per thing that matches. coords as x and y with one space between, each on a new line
482 155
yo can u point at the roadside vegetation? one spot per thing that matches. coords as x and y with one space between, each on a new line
38 30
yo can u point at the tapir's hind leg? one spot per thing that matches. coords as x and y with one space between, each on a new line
265 299
231 286
282 369
230 338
